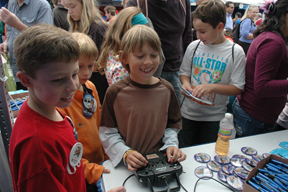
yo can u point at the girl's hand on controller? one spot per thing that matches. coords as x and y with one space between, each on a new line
135 160
175 154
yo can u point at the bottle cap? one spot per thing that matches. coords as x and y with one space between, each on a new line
239 156
222 176
235 182
203 172
222 159
257 157
248 151
214 166
241 172
224 168
231 169
265 155
251 162
246 166
228 115
236 161
202 157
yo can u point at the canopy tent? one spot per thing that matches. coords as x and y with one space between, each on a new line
249 2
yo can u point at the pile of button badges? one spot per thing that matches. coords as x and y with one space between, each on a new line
233 171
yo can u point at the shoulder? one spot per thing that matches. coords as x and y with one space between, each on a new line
115 88
193 45
270 39
41 3
167 84
97 27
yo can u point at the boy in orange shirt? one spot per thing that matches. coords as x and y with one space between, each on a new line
85 113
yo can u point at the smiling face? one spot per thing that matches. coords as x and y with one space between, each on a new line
207 34
86 65
54 85
74 9
143 63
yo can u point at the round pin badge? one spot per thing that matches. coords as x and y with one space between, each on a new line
203 172
251 162
231 169
265 155
222 176
89 105
248 151
222 159
246 166
239 156
75 157
257 157
236 161
241 172
202 157
235 182
214 166
224 168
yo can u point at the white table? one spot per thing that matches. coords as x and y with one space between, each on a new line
263 143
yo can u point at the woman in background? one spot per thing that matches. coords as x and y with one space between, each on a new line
247 27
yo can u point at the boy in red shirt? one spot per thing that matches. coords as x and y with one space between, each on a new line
44 152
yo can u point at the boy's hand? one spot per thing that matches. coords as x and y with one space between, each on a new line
203 89
187 87
135 160
106 171
118 189
176 153
4 47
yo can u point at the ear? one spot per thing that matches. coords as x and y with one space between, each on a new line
24 78
220 26
122 59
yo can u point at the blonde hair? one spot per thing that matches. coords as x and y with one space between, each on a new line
135 38
90 14
116 31
86 45
249 9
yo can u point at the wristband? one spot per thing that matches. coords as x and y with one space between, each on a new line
127 152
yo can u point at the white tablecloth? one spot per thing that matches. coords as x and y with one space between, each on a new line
263 143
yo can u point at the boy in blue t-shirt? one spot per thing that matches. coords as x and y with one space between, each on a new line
212 69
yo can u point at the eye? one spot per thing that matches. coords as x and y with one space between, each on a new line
140 56
75 75
154 56
57 80
90 66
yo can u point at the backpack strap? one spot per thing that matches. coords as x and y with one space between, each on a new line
183 3
233 52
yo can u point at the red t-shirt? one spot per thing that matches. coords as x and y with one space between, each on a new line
39 154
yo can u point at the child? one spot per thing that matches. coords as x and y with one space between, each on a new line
85 112
140 112
213 68
44 154
84 16
109 60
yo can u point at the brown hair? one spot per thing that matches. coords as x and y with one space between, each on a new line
113 37
135 38
87 46
41 44
211 11
110 9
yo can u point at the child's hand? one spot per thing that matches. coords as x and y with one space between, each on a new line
135 160
187 87
176 153
106 171
203 89
118 189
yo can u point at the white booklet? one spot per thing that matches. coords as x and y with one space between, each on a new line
189 94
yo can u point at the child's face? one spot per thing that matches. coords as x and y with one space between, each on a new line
86 65
206 33
54 85
74 9
143 63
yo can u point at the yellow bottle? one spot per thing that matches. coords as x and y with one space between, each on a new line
224 134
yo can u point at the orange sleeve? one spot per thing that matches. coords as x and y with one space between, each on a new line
92 171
